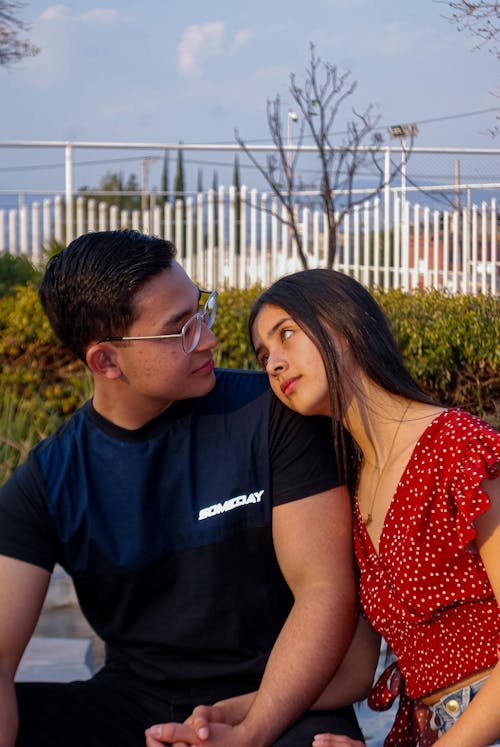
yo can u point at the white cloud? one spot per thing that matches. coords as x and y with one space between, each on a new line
199 42
55 13
100 15
241 38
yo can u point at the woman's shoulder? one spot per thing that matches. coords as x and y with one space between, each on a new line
459 425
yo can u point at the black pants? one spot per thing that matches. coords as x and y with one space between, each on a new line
115 709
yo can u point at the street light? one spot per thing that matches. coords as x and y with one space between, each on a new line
403 131
292 117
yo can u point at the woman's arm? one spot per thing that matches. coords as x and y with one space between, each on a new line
354 677
479 725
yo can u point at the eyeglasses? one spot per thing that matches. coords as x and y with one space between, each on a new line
191 331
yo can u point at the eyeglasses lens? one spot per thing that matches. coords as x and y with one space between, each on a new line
210 310
191 332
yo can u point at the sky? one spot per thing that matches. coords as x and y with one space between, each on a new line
164 71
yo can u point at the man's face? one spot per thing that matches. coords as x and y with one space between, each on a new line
159 372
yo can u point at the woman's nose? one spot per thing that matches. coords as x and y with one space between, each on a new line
276 363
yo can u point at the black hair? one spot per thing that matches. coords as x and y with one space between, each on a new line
88 289
323 301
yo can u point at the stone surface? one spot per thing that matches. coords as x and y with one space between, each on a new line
56 660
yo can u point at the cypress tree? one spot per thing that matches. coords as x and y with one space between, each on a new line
179 190
164 178
215 187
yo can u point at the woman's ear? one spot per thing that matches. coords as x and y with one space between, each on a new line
102 359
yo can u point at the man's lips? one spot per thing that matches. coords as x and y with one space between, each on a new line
288 385
207 367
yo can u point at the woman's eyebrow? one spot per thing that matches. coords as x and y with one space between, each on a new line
272 332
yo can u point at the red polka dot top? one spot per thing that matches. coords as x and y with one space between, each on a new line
427 592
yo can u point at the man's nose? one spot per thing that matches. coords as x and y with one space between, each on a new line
208 339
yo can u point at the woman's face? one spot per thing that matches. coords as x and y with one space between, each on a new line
292 362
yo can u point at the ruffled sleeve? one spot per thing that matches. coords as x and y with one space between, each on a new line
481 453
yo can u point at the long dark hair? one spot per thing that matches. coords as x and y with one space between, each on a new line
324 301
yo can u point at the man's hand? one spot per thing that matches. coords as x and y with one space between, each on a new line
335 740
185 735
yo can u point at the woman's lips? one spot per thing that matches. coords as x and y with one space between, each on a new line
288 386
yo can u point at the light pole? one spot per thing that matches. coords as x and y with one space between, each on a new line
292 117
403 131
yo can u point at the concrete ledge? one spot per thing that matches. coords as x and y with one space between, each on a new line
56 660
61 592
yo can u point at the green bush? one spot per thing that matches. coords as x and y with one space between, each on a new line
22 424
15 271
32 362
231 327
451 345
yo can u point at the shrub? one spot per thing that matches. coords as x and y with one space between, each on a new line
451 344
15 271
231 327
22 424
32 362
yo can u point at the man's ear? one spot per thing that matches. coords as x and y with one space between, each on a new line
102 359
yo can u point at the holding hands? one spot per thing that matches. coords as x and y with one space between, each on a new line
211 726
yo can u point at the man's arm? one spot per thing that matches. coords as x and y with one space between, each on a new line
22 590
313 542
351 682
354 677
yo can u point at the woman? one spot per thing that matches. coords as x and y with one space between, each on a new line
427 502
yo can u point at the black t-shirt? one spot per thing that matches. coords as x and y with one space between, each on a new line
166 530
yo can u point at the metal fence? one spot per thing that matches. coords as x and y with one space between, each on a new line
423 230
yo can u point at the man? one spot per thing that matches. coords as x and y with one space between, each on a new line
202 522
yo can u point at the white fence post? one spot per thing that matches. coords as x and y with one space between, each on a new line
221 236
190 250
231 260
253 275
456 251
495 264
23 230
35 234
69 192
243 238
200 240
264 253
58 219
13 231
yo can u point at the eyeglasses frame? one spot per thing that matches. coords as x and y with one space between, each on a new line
202 317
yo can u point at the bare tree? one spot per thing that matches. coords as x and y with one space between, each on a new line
12 47
480 19
318 101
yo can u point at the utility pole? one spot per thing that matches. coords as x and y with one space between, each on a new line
292 117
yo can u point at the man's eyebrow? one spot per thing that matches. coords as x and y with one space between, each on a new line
181 315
